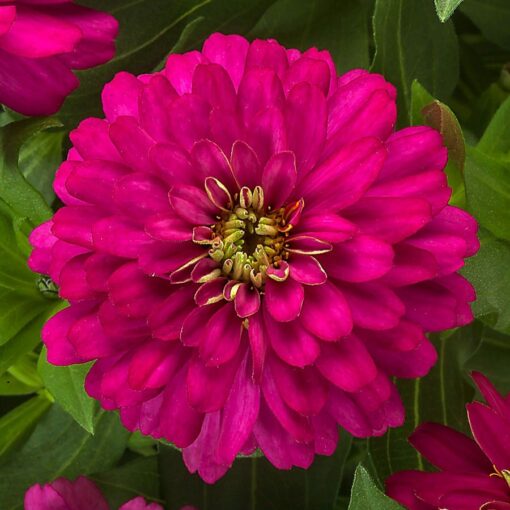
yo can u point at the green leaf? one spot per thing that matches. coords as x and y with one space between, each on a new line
492 17
149 29
438 397
488 272
60 447
28 338
16 425
434 113
412 44
445 8
22 377
139 477
19 195
39 158
366 495
326 24
254 483
496 138
488 191
20 300
420 98
491 358
10 386
142 445
66 384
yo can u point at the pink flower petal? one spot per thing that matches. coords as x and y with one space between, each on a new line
132 143
247 301
306 270
360 259
213 83
166 320
192 205
54 79
245 165
210 292
291 342
120 237
55 331
326 313
342 179
284 299
180 68
258 345
168 227
328 227
303 389
373 306
74 224
140 195
268 54
223 337
91 139
410 265
210 161
93 181
179 422
189 119
133 293
309 70
347 364
449 450
260 89
154 101
390 219
305 119
73 281
173 164
267 133
439 304
280 448
491 432
194 327
239 414
120 96
200 456
296 426
7 16
34 34
279 178
209 387
229 51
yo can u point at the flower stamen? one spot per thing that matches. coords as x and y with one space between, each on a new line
248 238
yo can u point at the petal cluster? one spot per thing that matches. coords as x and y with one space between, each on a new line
81 494
251 253
41 41
473 474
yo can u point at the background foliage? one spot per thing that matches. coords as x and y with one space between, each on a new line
450 62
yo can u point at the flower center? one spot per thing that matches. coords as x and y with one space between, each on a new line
250 238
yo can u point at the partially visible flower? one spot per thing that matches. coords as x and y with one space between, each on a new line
473 474
41 41
251 253
82 494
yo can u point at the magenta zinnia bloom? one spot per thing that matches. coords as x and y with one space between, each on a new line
251 252
40 42
82 494
473 474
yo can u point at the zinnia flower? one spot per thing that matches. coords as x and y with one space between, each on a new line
250 252
82 494
474 474
40 42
